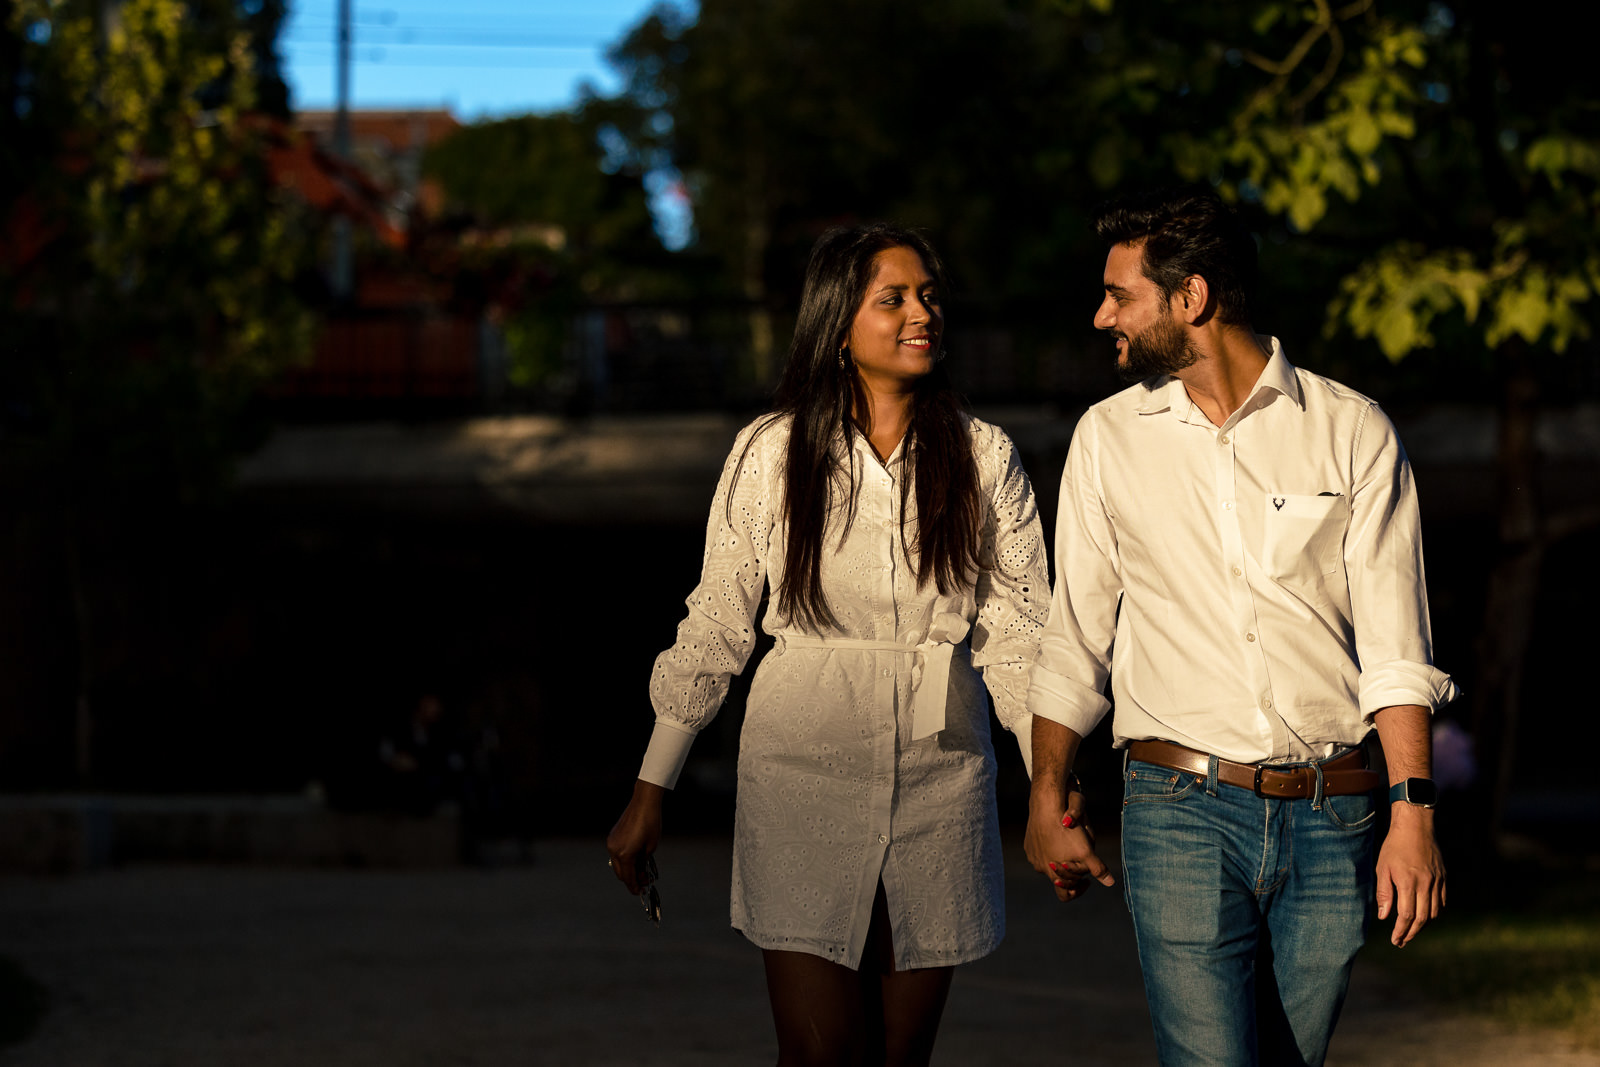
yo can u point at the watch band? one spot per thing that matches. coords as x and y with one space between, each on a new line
1419 791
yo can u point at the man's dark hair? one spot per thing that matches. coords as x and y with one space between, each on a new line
1185 231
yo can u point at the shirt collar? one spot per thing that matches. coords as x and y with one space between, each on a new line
1280 377
1162 394
1168 394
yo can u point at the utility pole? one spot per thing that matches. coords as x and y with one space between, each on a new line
343 281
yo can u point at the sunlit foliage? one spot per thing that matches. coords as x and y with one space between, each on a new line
161 284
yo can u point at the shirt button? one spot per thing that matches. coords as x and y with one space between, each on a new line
888 672
1237 572
1267 704
883 839
1223 438
1227 505
1249 637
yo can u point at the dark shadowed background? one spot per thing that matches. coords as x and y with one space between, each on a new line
366 475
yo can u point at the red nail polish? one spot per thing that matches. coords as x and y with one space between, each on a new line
1051 866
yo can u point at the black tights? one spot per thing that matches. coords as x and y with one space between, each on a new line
828 1014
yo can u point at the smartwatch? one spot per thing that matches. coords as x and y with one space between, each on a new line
1419 791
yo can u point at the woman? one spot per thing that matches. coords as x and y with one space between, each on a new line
892 527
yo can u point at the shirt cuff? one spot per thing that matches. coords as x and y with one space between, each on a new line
1060 699
1404 682
669 749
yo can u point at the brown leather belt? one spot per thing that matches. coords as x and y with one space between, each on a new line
1341 776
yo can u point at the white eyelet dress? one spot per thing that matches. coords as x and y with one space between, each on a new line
855 764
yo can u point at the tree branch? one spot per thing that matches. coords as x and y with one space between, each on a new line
1326 24
1329 69
1350 11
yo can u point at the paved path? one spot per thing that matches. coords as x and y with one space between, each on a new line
550 963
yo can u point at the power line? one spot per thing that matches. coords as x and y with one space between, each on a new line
389 19
472 34
426 44
486 41
465 64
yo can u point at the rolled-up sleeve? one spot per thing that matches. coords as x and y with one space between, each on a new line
1013 588
717 636
1074 662
1388 591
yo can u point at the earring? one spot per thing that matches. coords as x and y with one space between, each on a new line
844 356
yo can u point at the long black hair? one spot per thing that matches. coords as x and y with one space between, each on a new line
818 393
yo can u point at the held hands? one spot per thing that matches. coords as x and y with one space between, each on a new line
1060 844
1410 873
636 836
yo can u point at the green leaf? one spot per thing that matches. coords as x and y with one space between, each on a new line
1362 133
1307 206
1398 293
1266 17
1535 302
1558 154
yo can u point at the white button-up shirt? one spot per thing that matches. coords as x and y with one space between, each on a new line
1254 590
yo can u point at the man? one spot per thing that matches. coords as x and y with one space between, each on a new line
1238 548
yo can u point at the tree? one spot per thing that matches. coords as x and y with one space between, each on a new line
542 169
788 116
150 277
546 223
171 250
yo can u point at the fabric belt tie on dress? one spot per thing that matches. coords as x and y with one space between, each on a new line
930 675
1343 775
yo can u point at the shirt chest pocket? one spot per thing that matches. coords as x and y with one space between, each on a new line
1303 535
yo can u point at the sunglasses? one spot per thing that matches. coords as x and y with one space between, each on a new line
648 895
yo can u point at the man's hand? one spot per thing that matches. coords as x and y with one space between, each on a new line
1060 845
1410 872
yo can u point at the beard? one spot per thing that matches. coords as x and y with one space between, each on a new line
1160 349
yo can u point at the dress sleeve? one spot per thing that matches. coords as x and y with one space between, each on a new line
1013 588
715 639
1388 592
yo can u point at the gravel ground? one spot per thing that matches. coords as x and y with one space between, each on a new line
548 962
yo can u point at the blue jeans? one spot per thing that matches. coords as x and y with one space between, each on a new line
1248 914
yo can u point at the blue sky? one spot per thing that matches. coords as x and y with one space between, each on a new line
480 58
